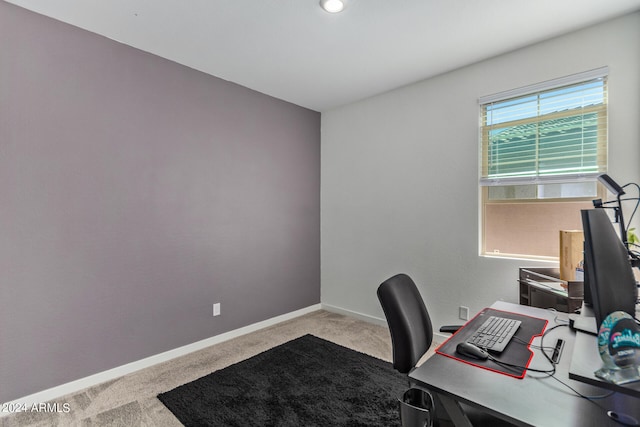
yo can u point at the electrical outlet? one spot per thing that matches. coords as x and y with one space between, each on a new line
216 309
463 312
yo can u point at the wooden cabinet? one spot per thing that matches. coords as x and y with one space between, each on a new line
542 287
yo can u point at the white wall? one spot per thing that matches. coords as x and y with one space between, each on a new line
400 173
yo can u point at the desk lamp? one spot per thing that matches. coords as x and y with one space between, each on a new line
617 191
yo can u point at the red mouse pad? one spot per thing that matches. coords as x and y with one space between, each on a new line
515 358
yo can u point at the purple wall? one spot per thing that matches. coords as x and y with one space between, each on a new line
135 193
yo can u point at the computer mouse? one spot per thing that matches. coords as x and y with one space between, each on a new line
470 350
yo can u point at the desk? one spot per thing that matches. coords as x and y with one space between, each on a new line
537 400
584 359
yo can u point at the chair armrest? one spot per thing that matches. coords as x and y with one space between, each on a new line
451 329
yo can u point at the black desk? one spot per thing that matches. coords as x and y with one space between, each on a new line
537 400
586 360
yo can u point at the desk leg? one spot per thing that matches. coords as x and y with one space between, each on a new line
453 409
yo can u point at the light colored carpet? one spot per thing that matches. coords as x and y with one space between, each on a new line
131 400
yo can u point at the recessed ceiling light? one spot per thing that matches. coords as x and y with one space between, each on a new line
332 6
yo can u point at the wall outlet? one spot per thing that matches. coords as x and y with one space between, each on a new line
463 312
216 309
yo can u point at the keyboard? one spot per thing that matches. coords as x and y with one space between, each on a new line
495 333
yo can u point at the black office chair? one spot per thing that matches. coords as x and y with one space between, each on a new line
412 333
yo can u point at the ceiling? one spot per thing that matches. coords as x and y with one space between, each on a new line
295 51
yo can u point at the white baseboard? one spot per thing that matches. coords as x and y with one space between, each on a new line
438 338
101 377
350 313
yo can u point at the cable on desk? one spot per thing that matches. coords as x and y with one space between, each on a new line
589 398
558 319
541 347
510 365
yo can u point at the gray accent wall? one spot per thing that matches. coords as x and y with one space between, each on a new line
134 194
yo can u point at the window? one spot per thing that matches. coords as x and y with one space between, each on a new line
543 148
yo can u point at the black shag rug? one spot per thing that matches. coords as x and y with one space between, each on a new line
305 382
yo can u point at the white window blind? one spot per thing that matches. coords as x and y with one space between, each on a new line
553 132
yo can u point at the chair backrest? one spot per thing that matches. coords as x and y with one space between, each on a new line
408 320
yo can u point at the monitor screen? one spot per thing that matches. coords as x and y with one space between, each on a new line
608 270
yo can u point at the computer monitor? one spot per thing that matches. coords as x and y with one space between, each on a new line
608 270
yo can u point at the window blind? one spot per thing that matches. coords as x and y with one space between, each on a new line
558 133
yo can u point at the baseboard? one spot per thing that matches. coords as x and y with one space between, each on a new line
364 317
438 338
83 383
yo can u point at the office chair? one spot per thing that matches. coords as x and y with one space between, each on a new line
412 334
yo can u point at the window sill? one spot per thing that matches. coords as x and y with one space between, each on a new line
521 257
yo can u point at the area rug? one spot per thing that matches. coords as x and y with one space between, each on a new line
305 382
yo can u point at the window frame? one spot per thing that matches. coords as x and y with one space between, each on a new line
601 156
